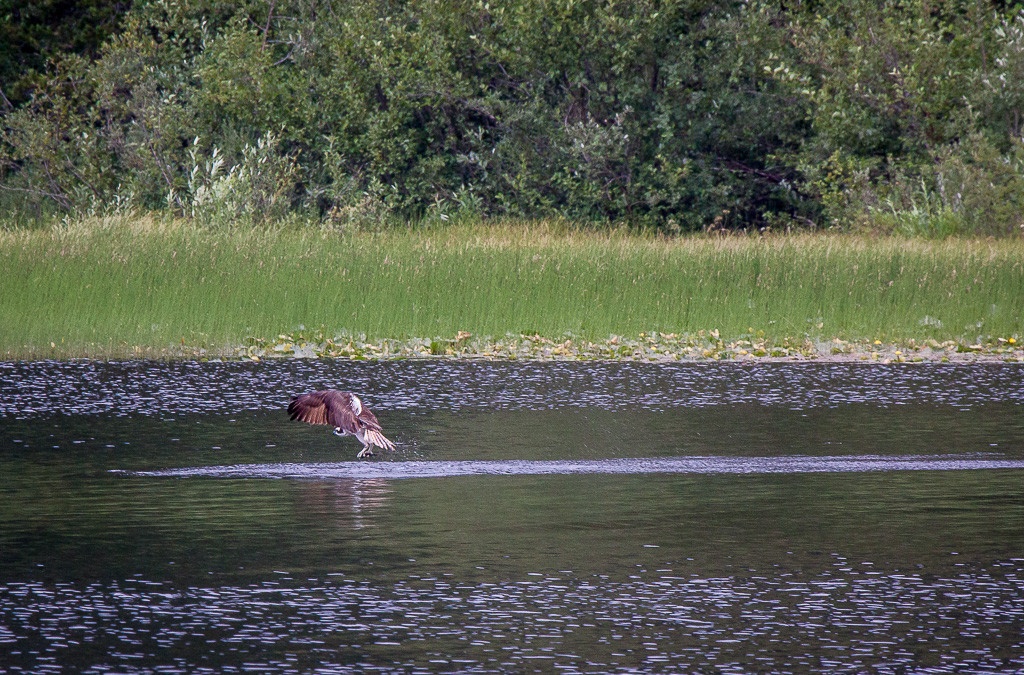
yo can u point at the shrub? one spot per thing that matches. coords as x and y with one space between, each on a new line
674 114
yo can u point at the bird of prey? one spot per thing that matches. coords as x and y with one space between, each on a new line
345 412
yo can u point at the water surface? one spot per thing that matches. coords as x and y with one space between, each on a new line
580 517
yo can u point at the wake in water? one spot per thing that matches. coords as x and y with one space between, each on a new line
667 465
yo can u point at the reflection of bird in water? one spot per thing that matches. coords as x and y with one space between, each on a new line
349 503
345 412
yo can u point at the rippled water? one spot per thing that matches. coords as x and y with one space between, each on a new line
576 517
157 388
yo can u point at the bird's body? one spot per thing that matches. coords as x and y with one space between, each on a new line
345 412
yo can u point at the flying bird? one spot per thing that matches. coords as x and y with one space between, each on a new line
345 412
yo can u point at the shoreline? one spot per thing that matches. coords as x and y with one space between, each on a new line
651 348
703 347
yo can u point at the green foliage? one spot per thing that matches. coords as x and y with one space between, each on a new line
916 114
970 189
32 32
678 114
257 190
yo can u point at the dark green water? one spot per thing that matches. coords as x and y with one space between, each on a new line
576 518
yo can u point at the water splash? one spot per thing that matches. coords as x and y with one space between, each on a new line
670 465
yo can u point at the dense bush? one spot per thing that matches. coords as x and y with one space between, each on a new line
678 114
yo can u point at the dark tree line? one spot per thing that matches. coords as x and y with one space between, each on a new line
674 114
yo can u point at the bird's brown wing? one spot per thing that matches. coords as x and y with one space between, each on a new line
324 407
339 410
368 420
309 408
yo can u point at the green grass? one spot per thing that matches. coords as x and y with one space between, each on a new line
116 287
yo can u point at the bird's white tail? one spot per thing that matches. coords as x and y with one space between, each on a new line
377 438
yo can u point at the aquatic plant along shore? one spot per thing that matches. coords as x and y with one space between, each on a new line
653 347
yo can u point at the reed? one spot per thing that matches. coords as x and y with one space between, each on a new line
123 286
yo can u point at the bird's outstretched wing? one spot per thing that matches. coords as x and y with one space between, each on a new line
339 411
309 408
324 407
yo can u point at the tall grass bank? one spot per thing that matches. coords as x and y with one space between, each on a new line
117 287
